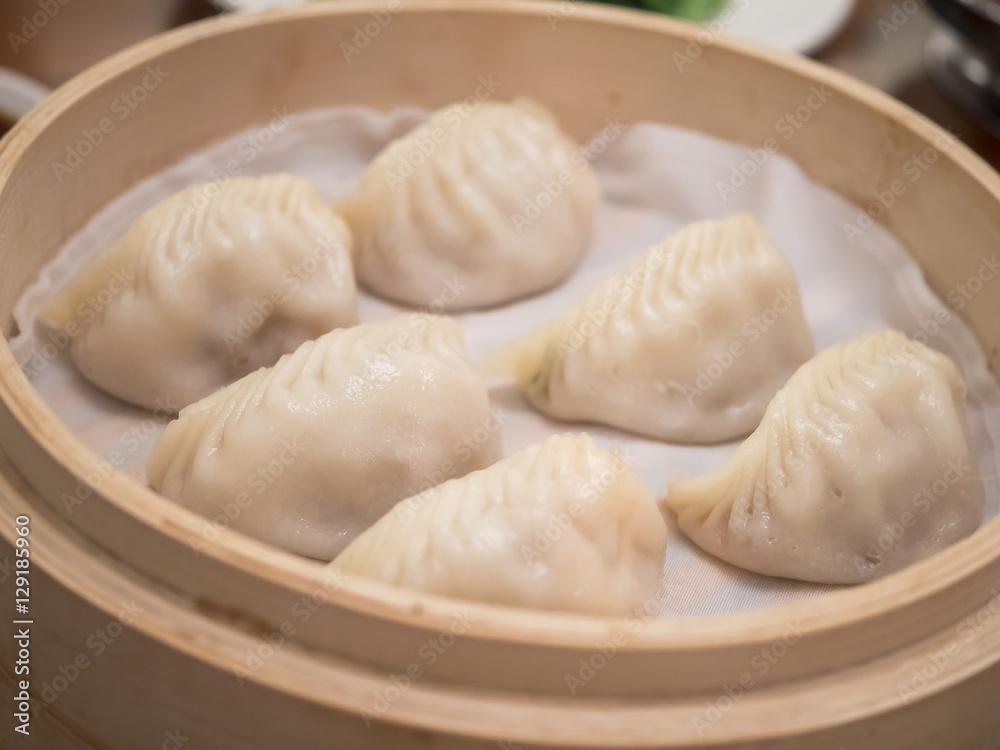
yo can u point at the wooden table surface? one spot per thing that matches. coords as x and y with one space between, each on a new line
82 32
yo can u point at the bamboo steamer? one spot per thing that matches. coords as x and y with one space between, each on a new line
140 641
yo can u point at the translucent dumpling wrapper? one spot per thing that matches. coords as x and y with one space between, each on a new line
861 466
474 208
308 453
688 345
561 525
208 285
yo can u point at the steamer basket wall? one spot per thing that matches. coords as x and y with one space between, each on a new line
192 619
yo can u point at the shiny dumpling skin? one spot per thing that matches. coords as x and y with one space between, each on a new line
689 345
561 525
861 466
208 285
443 235
316 448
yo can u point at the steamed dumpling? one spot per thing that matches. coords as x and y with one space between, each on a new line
207 286
308 453
861 466
473 208
689 345
561 525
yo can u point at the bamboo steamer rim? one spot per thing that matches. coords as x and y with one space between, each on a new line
968 561
785 714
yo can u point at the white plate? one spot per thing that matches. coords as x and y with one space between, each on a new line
792 25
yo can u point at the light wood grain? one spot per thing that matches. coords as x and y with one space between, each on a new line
506 674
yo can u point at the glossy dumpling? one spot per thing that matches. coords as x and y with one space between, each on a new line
308 453
861 466
561 525
689 345
207 286
443 217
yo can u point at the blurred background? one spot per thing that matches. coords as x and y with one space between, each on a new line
939 56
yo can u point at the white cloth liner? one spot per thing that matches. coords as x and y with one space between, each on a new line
655 180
